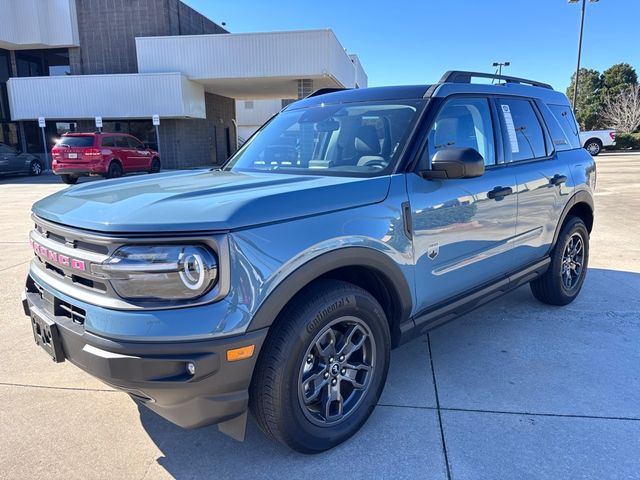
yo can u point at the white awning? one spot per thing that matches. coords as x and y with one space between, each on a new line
170 95
254 65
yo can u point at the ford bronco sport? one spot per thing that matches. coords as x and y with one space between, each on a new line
351 222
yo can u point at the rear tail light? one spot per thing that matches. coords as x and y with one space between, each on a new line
92 152
613 136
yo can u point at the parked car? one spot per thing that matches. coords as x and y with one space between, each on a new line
107 154
595 140
353 221
14 161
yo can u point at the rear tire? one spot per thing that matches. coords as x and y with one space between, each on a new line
593 146
69 179
562 282
306 401
114 171
35 168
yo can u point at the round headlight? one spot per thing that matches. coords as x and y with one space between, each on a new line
160 272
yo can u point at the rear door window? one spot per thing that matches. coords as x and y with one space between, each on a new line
122 142
522 133
135 143
567 122
76 141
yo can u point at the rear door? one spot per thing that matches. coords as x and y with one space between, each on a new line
139 153
124 152
73 147
10 160
542 176
462 230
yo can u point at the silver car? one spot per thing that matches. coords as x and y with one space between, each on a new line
15 161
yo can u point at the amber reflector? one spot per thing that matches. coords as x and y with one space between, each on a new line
240 353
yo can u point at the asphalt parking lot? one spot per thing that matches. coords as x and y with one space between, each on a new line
515 389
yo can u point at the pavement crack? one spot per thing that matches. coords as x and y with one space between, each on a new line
435 389
13 266
47 387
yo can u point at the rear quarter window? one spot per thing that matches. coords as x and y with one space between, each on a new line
108 142
79 141
567 122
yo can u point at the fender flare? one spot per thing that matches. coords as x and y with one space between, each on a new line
332 260
583 196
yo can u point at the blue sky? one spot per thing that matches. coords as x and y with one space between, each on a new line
408 42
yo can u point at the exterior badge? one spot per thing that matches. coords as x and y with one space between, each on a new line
433 250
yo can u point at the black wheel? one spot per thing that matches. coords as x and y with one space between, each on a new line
155 166
562 282
69 179
322 368
35 168
115 170
593 146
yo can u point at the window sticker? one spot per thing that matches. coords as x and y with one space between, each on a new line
511 129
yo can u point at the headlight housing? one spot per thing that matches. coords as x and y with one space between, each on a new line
160 272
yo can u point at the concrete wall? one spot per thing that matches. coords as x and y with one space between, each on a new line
107 31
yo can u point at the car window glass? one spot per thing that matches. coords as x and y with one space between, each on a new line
567 122
76 141
462 123
122 142
361 138
135 143
558 136
108 142
7 149
522 134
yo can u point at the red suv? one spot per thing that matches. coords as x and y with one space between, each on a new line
107 154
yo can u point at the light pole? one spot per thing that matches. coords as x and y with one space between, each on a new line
575 86
500 65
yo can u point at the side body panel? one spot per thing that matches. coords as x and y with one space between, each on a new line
462 238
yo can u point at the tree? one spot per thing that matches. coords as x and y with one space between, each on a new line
622 111
589 102
616 78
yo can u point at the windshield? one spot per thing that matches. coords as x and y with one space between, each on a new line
346 139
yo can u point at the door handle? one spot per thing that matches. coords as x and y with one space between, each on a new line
557 180
499 192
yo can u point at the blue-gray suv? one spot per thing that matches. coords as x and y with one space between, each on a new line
351 222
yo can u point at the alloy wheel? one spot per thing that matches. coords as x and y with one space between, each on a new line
336 371
572 261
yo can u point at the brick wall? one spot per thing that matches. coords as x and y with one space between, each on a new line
108 29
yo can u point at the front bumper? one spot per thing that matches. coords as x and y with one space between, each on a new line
155 373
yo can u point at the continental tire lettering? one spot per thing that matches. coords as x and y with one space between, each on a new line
325 312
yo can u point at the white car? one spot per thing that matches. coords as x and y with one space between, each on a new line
594 140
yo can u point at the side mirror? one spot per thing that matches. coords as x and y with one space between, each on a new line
454 162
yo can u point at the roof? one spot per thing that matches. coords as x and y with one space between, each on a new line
450 83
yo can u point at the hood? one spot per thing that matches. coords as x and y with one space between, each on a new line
199 200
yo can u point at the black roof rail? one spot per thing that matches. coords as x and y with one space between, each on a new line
458 76
322 91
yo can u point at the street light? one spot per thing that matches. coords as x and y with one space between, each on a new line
500 65
575 86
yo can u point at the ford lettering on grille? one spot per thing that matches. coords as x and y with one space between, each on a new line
57 258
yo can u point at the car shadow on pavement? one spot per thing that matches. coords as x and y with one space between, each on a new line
607 297
44 179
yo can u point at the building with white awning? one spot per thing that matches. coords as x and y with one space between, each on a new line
82 59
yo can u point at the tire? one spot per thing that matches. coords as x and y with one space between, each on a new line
593 146
69 179
114 171
35 168
299 418
155 166
554 287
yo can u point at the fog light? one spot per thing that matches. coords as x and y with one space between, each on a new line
191 368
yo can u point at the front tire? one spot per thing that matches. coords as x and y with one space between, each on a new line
322 368
562 282
155 166
69 179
